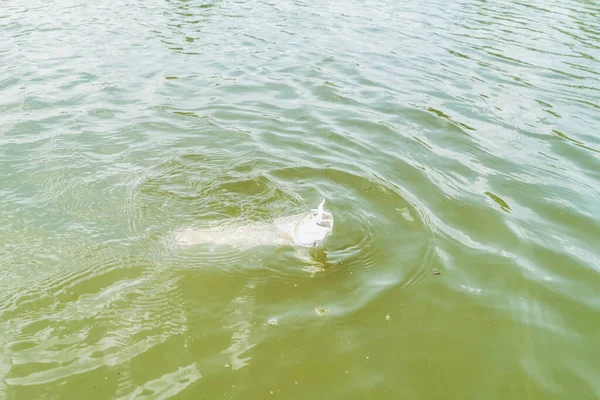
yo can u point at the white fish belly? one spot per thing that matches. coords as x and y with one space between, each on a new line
258 234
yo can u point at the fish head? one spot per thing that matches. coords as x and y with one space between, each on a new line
313 228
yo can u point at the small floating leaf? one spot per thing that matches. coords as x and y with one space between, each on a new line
498 200
186 113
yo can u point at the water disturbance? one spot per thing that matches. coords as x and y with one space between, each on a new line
456 145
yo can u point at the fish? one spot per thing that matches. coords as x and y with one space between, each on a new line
305 230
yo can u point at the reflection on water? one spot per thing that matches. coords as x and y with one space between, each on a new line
456 145
242 330
167 385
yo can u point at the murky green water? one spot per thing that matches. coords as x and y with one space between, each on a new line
455 142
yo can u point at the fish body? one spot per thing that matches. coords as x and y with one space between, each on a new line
309 229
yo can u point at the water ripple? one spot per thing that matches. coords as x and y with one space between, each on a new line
456 145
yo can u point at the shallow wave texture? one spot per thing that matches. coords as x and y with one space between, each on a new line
456 144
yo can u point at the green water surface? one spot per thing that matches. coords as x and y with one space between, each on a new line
456 144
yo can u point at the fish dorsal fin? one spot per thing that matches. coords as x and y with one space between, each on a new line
320 211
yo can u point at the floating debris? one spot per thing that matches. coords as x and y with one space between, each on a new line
503 205
437 273
313 269
273 322
406 214
321 310
387 317
470 289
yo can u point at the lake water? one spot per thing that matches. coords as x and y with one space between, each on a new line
456 144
